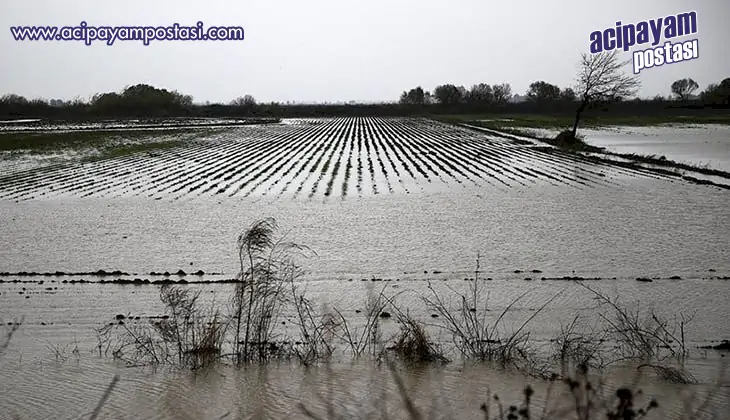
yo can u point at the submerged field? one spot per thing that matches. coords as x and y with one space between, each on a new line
308 159
387 204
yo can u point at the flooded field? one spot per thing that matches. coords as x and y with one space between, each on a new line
387 204
706 145
332 159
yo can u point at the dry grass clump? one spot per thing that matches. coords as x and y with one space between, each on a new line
316 330
476 336
190 334
574 347
641 335
367 340
197 335
412 344
266 267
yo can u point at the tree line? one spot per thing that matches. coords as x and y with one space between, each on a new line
139 100
146 101
449 94
542 92
483 94
601 80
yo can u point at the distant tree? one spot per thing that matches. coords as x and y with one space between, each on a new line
601 77
683 88
428 98
706 95
106 102
568 94
244 101
13 99
462 93
75 102
414 96
480 94
143 96
502 93
542 91
708 90
141 100
183 101
16 105
447 94
717 94
38 102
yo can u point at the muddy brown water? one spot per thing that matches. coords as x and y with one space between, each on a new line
72 389
621 226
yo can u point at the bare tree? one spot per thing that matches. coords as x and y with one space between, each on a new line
683 88
601 77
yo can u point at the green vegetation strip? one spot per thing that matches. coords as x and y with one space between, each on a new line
109 144
565 121
56 141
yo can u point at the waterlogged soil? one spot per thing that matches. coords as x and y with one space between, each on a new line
537 222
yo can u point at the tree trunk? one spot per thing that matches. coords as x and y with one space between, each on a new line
580 110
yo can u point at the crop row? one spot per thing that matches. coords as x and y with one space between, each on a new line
320 158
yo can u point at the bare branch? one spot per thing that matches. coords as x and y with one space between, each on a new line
601 77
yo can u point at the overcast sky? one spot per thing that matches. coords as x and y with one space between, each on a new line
340 50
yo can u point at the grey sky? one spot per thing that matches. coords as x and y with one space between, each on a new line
340 50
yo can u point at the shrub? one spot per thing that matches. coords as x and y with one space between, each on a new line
566 140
